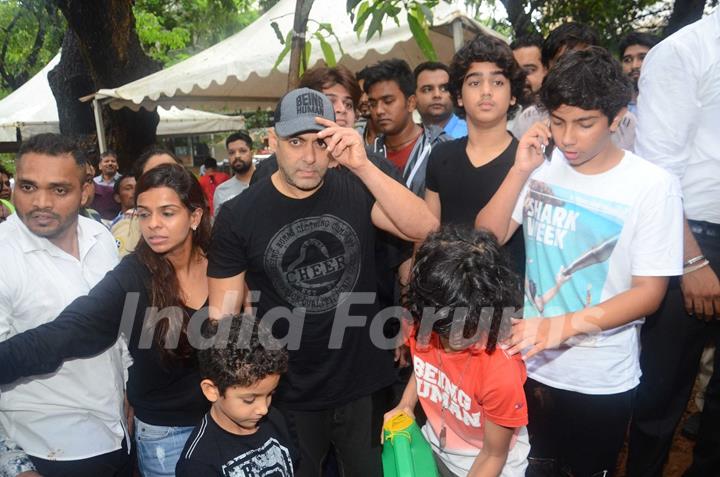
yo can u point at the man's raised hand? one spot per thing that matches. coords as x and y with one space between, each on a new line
345 145
530 152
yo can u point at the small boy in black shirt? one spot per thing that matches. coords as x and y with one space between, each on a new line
240 436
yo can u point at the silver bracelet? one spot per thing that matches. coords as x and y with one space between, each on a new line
694 260
695 267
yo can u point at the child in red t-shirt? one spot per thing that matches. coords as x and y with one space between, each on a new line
462 295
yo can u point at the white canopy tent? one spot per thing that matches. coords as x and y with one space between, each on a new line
238 72
31 109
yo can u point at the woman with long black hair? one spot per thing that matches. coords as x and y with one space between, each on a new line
159 286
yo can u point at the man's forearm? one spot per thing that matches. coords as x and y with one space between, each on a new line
691 249
226 295
408 212
497 213
635 303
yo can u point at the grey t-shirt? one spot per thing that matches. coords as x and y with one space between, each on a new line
227 190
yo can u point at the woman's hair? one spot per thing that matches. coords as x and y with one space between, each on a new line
154 150
322 77
164 286
462 276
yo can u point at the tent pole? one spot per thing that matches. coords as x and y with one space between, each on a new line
99 126
457 31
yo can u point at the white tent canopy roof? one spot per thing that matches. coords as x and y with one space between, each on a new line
32 110
238 72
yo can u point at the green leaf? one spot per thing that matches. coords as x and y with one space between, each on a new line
327 50
375 24
427 13
285 51
363 12
392 10
420 34
282 55
351 4
278 33
306 62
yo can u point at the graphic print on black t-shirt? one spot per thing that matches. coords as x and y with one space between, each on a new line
270 460
313 260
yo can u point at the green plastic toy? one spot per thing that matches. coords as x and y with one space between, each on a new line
406 453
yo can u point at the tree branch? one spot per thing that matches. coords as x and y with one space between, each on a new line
37 45
8 79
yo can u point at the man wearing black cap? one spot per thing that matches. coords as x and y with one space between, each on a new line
304 239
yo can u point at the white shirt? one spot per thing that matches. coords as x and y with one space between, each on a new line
679 113
586 236
100 180
76 412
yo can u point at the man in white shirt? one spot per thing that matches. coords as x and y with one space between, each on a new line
69 421
679 118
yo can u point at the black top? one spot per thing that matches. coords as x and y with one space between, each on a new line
304 254
465 189
390 251
211 451
162 392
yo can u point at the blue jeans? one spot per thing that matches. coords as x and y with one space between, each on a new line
159 448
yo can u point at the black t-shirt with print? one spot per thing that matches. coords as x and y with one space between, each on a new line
390 251
211 451
465 189
310 254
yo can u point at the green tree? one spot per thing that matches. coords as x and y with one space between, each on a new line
31 32
611 18
172 30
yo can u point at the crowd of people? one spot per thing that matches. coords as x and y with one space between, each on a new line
519 249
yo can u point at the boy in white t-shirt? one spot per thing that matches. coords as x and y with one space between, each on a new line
603 231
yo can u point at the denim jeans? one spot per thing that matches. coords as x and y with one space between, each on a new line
159 448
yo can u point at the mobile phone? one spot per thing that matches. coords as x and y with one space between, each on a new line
548 150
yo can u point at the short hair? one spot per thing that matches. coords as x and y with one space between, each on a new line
486 48
107 153
527 40
362 74
239 136
235 365
118 183
568 35
154 150
210 163
462 273
589 79
396 70
647 40
430 66
323 77
52 144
